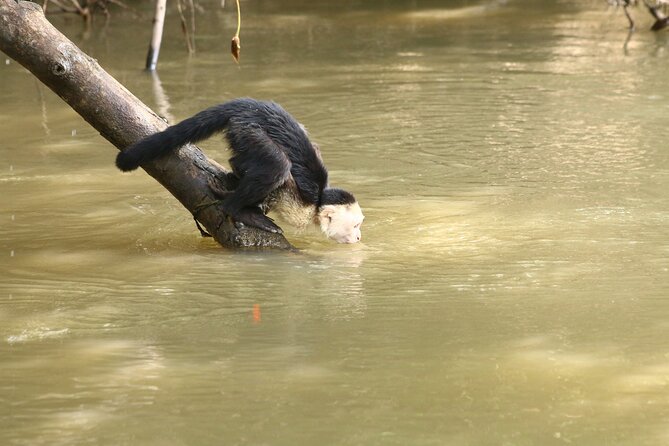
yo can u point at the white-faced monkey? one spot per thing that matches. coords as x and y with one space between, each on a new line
277 166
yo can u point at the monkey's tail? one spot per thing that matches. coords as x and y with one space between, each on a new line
196 128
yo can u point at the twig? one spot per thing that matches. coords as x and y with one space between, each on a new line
629 17
184 27
192 23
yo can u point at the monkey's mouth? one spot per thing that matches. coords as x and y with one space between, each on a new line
348 240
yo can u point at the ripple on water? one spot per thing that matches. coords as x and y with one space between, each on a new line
37 334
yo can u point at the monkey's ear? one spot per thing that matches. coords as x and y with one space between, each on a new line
324 218
327 210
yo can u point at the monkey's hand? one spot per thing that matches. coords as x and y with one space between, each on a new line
255 218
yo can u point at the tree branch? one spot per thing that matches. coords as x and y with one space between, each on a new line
27 37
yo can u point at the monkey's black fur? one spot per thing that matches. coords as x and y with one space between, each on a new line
270 150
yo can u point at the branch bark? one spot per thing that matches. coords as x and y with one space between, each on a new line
27 37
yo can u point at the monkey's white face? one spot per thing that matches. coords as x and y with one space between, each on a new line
341 222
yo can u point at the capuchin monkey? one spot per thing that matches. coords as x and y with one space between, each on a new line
277 166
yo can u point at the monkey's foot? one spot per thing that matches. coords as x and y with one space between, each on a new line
255 218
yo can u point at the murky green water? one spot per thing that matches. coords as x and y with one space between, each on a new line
512 287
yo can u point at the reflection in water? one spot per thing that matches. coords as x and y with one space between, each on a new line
161 99
509 288
45 118
466 12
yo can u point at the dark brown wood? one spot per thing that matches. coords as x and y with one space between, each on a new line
661 21
27 37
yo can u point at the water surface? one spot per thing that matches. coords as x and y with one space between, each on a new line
511 287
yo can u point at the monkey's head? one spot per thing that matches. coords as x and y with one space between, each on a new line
339 216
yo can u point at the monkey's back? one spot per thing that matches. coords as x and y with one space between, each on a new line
256 123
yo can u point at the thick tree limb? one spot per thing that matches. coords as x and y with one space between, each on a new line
27 37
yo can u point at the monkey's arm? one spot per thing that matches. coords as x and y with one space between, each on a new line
262 167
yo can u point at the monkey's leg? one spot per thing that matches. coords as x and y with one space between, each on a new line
242 205
267 170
